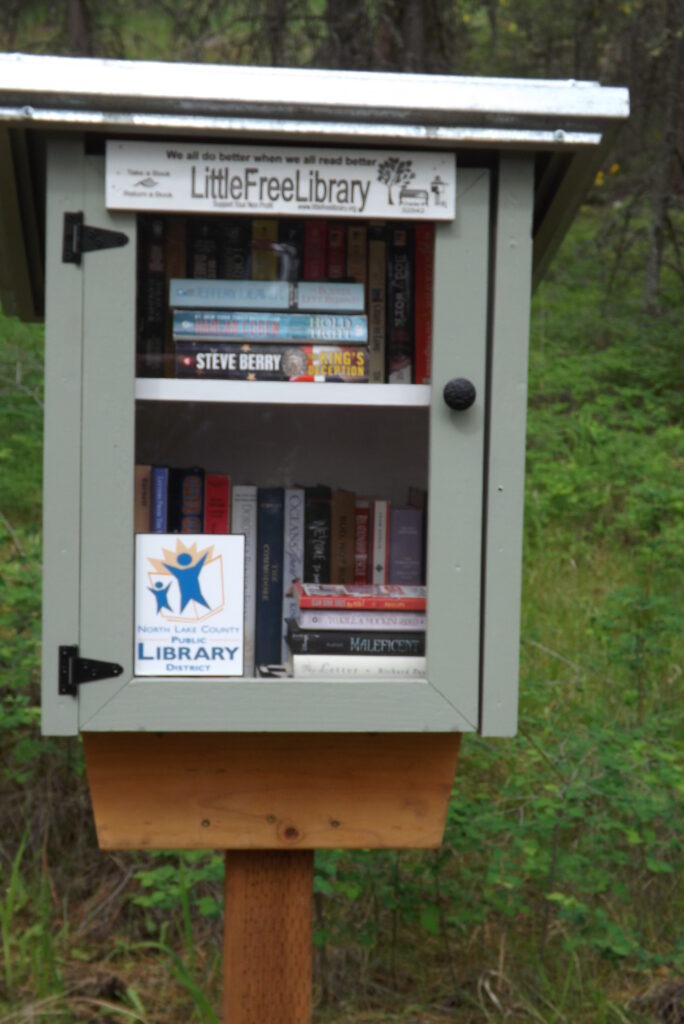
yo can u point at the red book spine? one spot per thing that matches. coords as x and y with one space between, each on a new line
362 542
425 272
337 254
315 250
216 503
363 602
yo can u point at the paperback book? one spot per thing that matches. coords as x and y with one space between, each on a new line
330 618
345 364
369 596
358 666
299 296
353 641
273 327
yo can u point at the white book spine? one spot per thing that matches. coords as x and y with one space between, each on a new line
312 618
293 554
243 520
353 666
380 540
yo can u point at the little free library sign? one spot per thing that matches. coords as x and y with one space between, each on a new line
185 177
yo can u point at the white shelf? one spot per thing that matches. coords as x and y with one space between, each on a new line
159 389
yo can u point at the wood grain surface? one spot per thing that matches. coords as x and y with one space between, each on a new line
270 791
268 935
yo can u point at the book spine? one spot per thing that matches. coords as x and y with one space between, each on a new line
293 553
176 255
160 498
234 248
269 610
272 327
346 364
342 533
291 247
317 534
377 304
332 619
406 546
424 241
315 250
142 517
337 256
362 533
400 325
368 598
340 641
267 296
151 307
216 503
380 546
357 253
351 666
186 501
202 248
244 521
264 253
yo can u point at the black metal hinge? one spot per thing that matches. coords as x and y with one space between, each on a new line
74 670
79 238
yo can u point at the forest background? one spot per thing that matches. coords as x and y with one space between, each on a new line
554 897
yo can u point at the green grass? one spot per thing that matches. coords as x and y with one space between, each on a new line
554 897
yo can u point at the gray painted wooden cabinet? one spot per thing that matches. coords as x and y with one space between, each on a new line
471 463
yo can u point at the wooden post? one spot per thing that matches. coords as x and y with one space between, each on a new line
268 937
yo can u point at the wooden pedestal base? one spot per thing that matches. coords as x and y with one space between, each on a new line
267 937
270 800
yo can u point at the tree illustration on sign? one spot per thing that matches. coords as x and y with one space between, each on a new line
394 173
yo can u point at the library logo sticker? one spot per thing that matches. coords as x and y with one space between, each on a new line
276 180
189 597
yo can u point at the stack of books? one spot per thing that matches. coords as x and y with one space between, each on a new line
357 631
270 330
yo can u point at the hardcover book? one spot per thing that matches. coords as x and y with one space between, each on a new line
264 253
176 255
331 619
316 535
235 236
202 248
362 534
216 503
353 666
244 521
368 597
277 296
380 541
353 641
151 304
315 250
160 498
337 256
274 327
400 325
406 545
142 518
269 606
186 501
424 243
357 253
377 303
345 364
293 552
342 532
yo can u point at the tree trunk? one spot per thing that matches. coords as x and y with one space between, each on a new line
668 152
78 32
413 35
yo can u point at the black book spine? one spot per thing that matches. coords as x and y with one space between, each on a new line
338 641
269 597
400 322
317 504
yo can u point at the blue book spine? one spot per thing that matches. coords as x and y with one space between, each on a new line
160 498
270 327
269 610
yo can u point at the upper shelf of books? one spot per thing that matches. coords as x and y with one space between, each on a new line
160 389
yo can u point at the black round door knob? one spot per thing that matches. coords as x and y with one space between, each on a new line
459 393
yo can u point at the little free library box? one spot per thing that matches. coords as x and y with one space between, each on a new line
286 358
